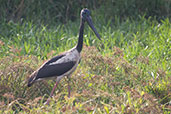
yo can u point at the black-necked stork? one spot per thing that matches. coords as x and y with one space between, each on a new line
65 63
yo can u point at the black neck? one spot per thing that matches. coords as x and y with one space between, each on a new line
80 38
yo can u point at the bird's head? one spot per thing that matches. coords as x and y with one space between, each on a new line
85 16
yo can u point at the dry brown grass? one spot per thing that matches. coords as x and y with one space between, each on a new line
100 84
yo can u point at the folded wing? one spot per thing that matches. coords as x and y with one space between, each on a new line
49 70
55 69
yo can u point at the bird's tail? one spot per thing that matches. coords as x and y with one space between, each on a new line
32 78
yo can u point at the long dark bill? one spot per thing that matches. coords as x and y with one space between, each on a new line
90 23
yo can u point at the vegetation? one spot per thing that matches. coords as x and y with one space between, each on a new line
65 10
127 72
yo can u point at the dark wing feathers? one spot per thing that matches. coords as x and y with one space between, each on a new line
52 70
55 69
54 59
32 78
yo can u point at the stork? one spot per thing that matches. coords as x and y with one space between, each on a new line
64 64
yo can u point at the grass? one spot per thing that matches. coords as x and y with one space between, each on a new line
127 72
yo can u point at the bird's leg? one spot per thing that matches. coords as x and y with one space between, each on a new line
69 87
51 94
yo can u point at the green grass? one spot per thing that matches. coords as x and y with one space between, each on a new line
127 72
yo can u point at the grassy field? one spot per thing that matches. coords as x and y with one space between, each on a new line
129 71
